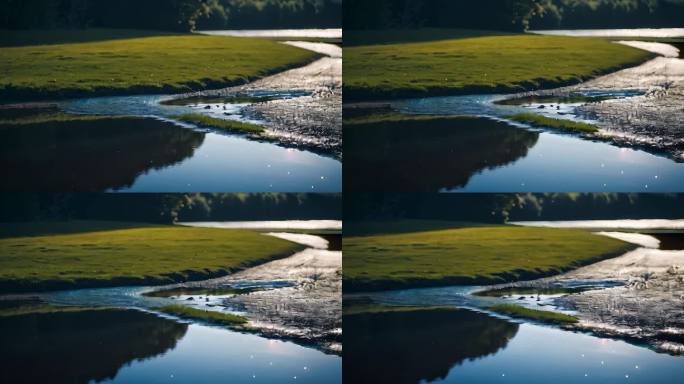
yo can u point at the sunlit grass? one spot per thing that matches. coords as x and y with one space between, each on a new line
533 314
224 124
483 64
486 254
122 65
152 254
200 314
548 122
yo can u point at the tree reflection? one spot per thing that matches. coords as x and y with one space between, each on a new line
410 346
428 155
79 347
89 155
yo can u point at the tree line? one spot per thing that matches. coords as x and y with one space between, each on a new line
168 208
501 208
168 15
512 15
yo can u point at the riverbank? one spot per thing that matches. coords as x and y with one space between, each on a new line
651 118
296 298
474 256
454 66
107 62
636 296
144 255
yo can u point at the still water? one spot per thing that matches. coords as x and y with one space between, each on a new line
463 346
146 155
631 32
326 33
127 346
485 154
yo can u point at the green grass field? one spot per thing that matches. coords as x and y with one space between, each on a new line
223 124
548 122
152 254
101 62
477 255
518 311
483 64
186 312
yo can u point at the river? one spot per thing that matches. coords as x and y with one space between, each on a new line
294 329
629 310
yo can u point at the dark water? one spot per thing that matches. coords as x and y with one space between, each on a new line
428 156
126 346
148 155
461 346
483 155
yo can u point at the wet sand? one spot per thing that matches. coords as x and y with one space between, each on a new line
298 297
312 121
640 295
653 120
648 307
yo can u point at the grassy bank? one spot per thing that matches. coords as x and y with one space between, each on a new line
186 312
483 64
479 255
91 63
223 124
12 117
548 122
518 311
129 256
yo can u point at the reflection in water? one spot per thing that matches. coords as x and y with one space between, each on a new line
461 346
90 155
148 155
127 346
429 155
78 347
407 347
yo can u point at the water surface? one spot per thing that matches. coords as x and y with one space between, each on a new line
629 32
328 33
490 155
462 346
148 155
127 346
